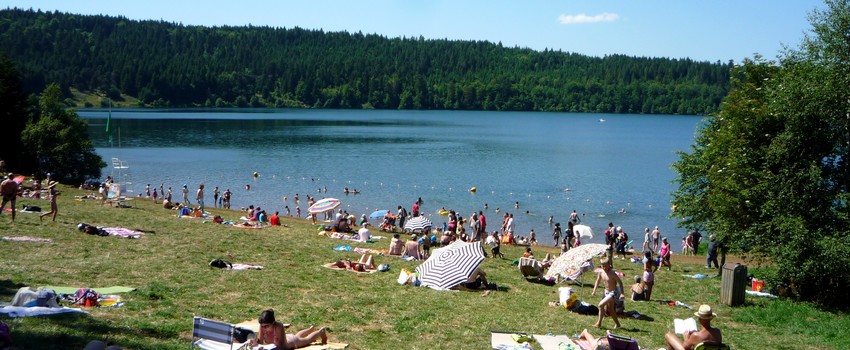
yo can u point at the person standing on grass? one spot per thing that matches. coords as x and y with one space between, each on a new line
696 240
9 190
711 254
200 197
186 195
556 234
611 283
53 209
665 254
656 237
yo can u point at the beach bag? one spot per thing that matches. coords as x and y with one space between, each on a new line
86 297
405 277
241 335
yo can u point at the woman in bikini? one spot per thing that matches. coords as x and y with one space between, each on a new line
273 332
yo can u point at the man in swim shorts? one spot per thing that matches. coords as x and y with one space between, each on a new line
612 282
9 190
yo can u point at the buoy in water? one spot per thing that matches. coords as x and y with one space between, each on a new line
473 189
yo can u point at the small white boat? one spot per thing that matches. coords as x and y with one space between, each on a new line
601 120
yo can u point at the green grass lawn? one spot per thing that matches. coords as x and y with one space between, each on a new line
173 282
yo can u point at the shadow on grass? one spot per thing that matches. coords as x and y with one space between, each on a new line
9 288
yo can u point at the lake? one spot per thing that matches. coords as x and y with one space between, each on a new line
548 163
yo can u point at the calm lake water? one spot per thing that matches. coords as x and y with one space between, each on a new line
551 163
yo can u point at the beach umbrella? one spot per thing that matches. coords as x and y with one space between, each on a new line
324 205
378 214
583 231
417 223
569 264
451 265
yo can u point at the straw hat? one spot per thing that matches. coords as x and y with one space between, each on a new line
705 313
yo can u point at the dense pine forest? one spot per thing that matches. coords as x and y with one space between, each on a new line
174 65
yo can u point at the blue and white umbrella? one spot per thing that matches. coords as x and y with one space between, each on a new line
451 265
377 214
420 223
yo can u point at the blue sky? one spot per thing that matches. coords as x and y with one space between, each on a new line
702 30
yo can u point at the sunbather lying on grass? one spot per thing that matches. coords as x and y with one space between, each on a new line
273 332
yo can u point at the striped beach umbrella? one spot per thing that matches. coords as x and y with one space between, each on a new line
451 265
324 205
417 223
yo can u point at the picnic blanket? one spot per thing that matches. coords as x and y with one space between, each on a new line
21 311
104 290
26 239
505 341
332 266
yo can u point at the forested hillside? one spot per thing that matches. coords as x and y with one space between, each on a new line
170 64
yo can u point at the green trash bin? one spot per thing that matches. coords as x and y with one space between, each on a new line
733 284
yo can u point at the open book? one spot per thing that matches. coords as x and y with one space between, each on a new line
681 326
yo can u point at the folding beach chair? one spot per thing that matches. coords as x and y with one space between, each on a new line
530 267
711 346
216 335
619 342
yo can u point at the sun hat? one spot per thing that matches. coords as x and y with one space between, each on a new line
705 312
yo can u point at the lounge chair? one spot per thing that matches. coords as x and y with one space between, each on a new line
216 335
530 267
619 342
711 346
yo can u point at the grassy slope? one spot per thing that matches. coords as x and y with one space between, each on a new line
169 269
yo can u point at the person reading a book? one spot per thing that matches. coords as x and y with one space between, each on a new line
274 332
611 282
692 338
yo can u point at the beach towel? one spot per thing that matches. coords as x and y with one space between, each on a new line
698 276
555 342
122 232
333 266
505 341
20 311
26 239
238 266
102 290
760 294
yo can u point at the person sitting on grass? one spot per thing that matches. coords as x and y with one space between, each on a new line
638 292
274 332
396 245
411 248
692 339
